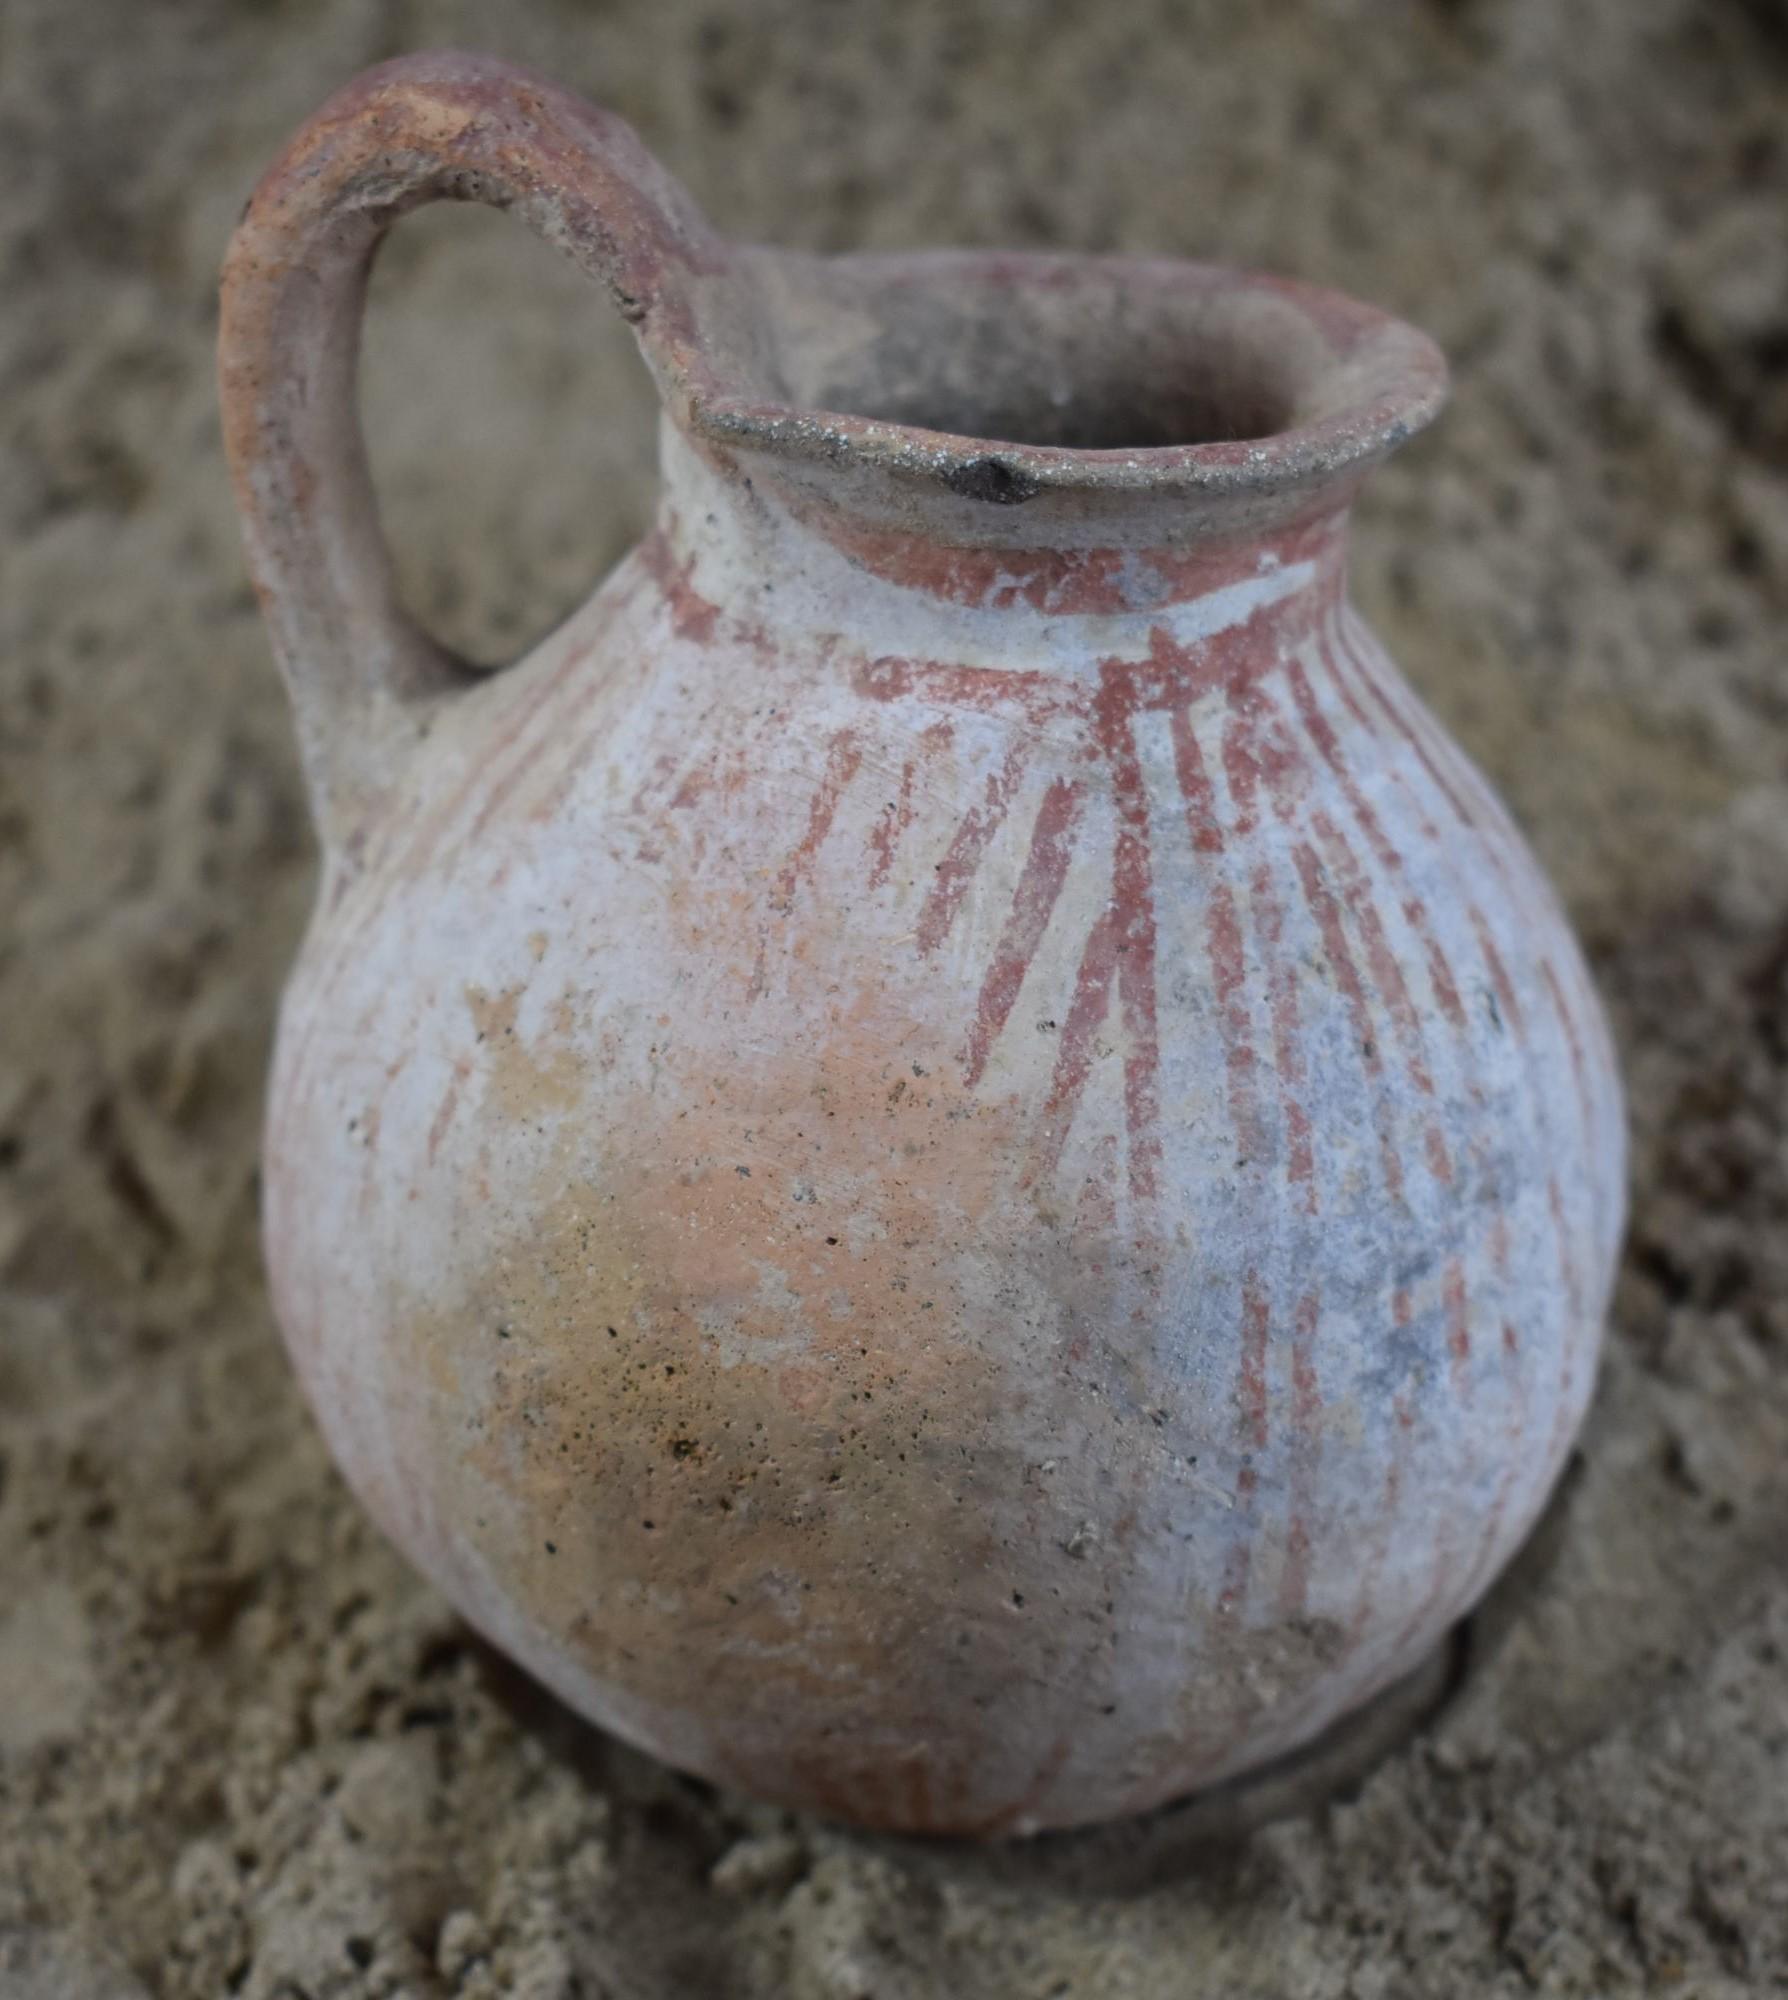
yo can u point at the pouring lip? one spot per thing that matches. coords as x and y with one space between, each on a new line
1386 381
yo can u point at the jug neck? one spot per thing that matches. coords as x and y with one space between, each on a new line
742 547
986 446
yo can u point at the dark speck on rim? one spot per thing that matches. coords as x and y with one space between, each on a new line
991 479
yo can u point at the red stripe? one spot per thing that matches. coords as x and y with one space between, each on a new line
1385 1530
1223 935
1028 695
1259 754
539 709
1332 656
1133 901
1288 1048
1414 737
895 818
1529 898
1458 1327
1415 911
1033 902
1387 976
1306 1454
1579 1069
1074 1056
1195 784
1499 978
1328 920
842 760
968 848
1251 1401
425 832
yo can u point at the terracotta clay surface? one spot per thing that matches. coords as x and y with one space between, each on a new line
244 1746
945 1160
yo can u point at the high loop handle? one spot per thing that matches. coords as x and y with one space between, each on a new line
362 674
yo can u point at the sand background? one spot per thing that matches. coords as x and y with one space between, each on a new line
242 1750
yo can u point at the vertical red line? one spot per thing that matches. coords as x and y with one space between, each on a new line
1074 1054
1033 904
573 756
1142 1062
1527 896
1579 1071
1458 1327
1195 783
1388 856
1328 920
1133 902
1095 1213
1508 1002
1337 647
1334 642
1288 1047
1251 1402
884 836
1467 783
1223 936
973 836
1306 1455
1387 976
1414 739
1385 1531
533 743
426 830
1500 983
1528 892
842 760
1260 755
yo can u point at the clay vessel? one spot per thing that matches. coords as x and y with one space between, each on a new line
945 1160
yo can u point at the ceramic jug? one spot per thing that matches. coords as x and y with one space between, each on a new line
945 1161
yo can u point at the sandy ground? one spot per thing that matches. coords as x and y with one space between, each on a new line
242 1750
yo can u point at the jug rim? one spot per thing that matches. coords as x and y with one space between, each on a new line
1366 381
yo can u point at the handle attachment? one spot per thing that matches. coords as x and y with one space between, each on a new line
363 676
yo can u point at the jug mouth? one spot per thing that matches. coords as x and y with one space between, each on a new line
1002 378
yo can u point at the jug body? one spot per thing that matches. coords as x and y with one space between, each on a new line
945 1162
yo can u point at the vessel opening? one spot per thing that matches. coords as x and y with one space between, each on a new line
1106 416
999 376
1065 354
